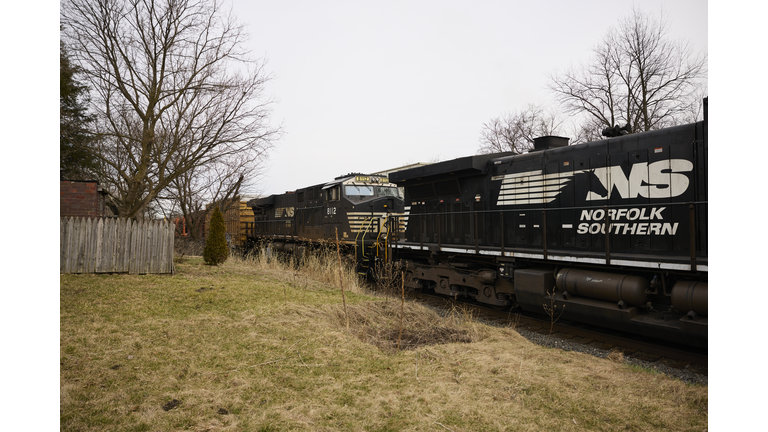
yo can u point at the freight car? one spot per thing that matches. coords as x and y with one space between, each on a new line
611 233
357 209
237 217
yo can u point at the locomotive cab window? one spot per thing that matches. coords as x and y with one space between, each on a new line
332 194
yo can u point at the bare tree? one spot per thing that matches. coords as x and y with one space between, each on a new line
588 130
514 132
173 90
638 77
220 183
594 90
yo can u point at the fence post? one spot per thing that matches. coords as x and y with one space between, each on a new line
69 248
99 258
125 246
62 245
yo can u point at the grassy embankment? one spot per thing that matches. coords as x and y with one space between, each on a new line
256 346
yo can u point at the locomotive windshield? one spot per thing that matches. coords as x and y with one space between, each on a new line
387 191
358 190
370 191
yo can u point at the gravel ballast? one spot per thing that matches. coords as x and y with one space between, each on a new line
687 374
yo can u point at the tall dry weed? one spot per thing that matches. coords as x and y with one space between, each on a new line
320 265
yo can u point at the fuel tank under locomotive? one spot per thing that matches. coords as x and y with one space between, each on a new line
619 301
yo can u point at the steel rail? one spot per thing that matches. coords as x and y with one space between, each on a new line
629 345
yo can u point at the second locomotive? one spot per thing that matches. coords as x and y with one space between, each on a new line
355 208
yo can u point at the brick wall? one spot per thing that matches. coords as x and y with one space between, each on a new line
80 199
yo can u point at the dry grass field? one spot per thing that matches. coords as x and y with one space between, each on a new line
257 345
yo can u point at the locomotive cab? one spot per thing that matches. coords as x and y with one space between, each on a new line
359 205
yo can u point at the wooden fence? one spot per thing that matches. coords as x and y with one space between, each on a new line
110 245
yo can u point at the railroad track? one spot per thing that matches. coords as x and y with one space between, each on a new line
630 346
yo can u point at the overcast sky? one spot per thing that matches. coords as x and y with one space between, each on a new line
370 86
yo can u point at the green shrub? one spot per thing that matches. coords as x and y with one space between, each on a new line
216 250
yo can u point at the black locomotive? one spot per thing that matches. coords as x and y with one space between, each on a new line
356 209
611 233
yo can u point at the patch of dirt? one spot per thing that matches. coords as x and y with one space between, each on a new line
171 405
411 339
379 324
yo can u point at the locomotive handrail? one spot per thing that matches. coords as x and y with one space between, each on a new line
362 241
357 236
378 237
364 232
424 216
686 203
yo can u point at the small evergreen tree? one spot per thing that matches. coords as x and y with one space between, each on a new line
216 250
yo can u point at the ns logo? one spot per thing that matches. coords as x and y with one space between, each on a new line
662 179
